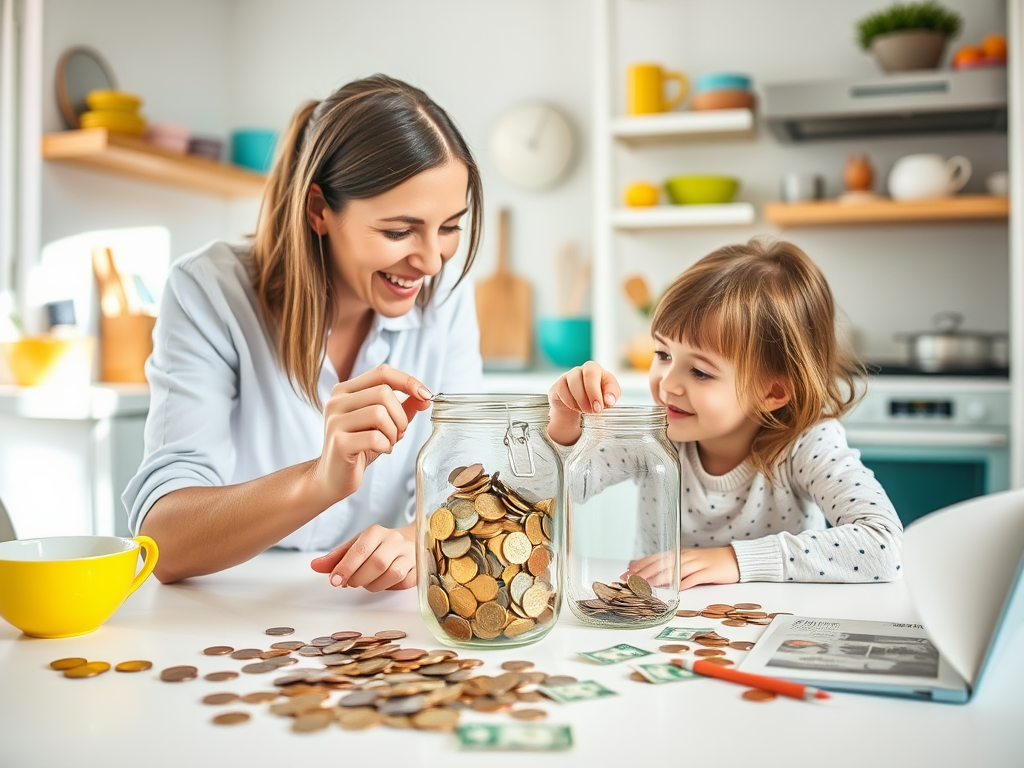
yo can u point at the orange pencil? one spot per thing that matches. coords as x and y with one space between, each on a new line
773 684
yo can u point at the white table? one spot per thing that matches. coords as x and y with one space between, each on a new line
118 719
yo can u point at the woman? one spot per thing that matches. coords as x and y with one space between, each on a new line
283 368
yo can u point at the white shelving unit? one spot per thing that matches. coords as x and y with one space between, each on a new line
683 126
671 216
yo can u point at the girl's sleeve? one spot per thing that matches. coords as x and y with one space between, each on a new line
863 544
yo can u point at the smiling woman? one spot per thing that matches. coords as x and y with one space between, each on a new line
283 368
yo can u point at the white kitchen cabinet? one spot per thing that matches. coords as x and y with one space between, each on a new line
66 455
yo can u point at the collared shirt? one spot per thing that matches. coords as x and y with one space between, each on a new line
222 411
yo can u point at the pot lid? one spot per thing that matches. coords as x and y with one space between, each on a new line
947 324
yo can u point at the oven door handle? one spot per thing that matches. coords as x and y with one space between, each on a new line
911 438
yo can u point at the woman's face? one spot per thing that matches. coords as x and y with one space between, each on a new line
383 248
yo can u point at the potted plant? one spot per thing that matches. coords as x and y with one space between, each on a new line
910 36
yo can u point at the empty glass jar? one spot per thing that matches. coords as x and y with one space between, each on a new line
488 512
622 519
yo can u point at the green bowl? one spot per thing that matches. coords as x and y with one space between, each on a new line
701 190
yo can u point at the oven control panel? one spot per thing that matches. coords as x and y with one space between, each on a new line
950 406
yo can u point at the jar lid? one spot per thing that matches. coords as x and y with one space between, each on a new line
489 407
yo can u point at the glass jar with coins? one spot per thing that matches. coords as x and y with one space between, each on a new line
488 510
622 519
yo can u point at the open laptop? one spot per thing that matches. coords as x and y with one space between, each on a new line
964 568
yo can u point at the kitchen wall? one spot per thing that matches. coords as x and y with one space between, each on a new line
219 64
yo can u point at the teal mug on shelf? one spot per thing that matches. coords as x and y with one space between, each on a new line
253 148
565 341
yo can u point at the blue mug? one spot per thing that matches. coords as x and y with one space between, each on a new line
253 148
566 340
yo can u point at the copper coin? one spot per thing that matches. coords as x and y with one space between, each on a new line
346 635
638 677
408 654
528 714
231 718
220 677
322 642
68 663
288 645
756 694
178 674
709 652
741 645
218 650
747 606
220 698
260 697
279 631
687 614
274 653
90 669
134 666
735 622
674 648
560 680
391 634
517 666
246 653
259 668
720 661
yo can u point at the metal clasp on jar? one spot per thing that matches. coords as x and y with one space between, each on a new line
520 452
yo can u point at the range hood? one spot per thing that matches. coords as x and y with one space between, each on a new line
913 102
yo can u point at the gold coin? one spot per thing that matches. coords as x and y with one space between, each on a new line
468 475
437 599
462 602
484 588
534 530
638 586
178 674
442 523
220 677
359 718
436 719
518 627
489 507
528 714
463 569
706 652
230 718
90 669
674 648
517 666
539 560
308 722
260 697
491 618
134 666
535 600
756 694
517 548
457 628
68 663
220 698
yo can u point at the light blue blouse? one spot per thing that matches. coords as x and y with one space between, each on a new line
222 411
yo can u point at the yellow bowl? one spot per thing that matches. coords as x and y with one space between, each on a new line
69 585
113 101
49 360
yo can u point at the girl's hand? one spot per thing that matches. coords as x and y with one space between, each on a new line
362 419
585 389
711 565
378 558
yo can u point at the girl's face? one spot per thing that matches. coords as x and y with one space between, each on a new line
699 390
383 248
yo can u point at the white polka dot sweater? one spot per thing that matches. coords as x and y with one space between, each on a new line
778 531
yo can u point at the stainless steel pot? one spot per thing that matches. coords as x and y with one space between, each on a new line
949 348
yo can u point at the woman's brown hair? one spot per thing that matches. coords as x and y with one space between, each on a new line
766 308
366 138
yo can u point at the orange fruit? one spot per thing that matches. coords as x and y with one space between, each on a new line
641 195
994 46
968 54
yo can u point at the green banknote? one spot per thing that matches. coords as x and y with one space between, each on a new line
514 736
615 654
585 690
664 673
681 633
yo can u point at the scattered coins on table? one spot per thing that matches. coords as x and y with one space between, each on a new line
631 599
491 554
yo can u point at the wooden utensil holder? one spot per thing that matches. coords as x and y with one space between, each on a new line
125 343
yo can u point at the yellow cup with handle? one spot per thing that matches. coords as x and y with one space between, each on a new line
646 86
69 585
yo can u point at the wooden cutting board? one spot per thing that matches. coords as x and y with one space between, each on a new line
504 310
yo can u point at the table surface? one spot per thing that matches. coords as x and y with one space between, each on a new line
120 719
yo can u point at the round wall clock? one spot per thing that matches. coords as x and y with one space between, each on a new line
532 145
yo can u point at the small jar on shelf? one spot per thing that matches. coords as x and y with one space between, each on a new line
622 519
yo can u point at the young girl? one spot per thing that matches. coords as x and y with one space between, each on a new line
748 366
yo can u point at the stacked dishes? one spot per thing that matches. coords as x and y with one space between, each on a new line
169 136
722 90
115 111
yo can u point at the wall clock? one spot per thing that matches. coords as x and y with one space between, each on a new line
532 145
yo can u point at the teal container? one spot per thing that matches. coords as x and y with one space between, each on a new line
253 148
565 341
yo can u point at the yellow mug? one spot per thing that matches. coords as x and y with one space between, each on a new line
69 585
645 89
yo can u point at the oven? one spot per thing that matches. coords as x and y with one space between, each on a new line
933 440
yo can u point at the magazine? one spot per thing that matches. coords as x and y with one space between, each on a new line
965 613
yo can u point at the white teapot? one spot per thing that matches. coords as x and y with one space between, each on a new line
917 177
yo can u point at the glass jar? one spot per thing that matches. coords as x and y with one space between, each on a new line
488 521
622 506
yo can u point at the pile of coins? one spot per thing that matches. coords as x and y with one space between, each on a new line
739 615
77 668
632 599
489 559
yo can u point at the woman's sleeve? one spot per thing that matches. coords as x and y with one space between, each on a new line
193 386
863 544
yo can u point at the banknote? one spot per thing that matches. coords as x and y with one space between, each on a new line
514 736
615 654
681 633
664 673
584 690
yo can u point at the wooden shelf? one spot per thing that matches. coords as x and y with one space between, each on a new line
831 213
136 158
675 126
666 216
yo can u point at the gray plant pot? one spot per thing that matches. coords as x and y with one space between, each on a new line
902 51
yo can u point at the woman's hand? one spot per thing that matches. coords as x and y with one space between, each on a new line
362 419
711 565
379 558
585 389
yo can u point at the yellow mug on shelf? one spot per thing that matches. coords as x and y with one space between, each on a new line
645 89
69 585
